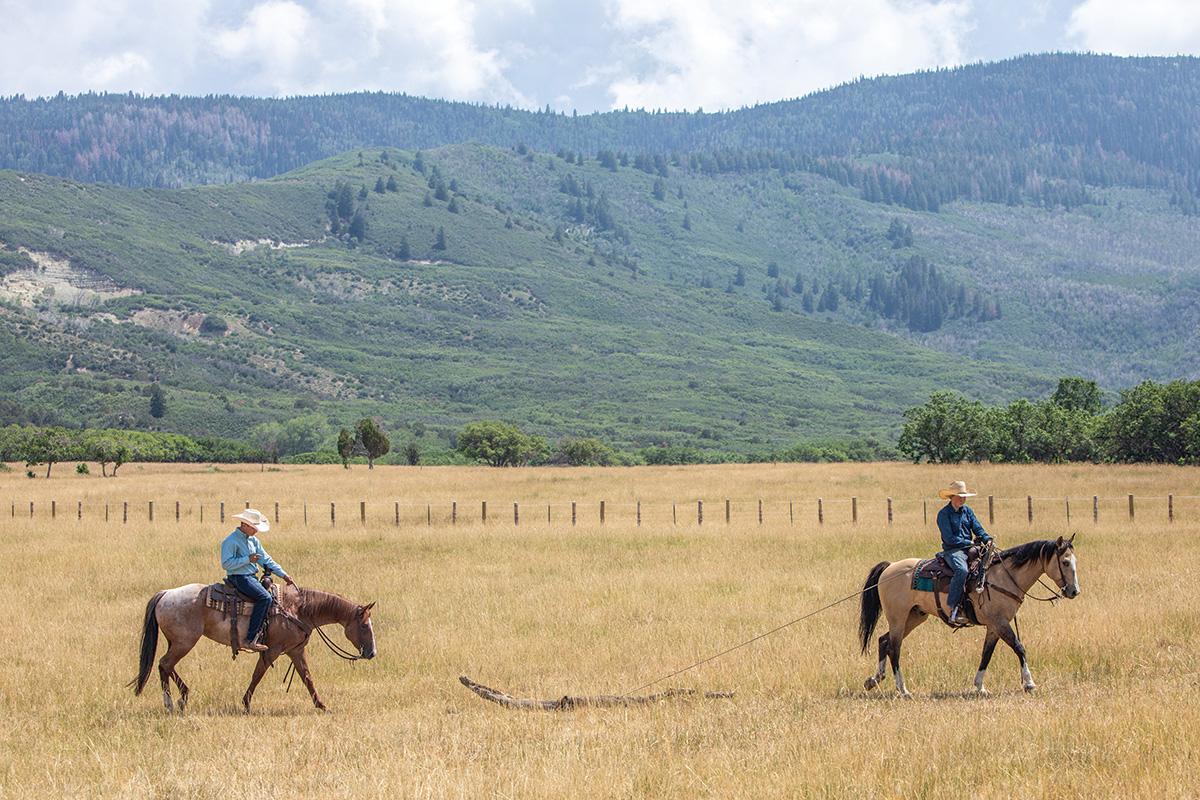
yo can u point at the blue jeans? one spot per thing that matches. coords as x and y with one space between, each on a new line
248 584
957 559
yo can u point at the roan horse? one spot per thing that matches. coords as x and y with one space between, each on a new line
889 589
183 617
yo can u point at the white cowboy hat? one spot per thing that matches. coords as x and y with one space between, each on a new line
256 518
958 488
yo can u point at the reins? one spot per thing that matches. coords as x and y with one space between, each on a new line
337 649
862 591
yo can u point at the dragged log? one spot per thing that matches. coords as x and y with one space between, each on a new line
566 703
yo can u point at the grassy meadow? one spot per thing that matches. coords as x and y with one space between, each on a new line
542 608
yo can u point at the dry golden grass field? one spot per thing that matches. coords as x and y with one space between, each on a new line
541 607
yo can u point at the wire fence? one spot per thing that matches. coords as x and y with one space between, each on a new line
852 510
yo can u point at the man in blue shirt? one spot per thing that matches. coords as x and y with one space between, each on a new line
960 529
241 555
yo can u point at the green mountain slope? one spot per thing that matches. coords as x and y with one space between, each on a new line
247 306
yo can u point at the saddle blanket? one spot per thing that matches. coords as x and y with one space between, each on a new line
935 574
220 595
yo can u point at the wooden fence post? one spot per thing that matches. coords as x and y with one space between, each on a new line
276 512
152 511
726 510
222 512
601 512
889 511
820 512
991 510
454 513
639 513
1131 506
362 511
177 512
854 509
573 512
125 516
1029 504
1170 508
516 515
760 512
699 512
483 511
54 509
1095 509
81 509
332 513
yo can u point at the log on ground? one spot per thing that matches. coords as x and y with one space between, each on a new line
567 702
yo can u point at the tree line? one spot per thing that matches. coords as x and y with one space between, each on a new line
1150 422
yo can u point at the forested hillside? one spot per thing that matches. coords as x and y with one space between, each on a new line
741 282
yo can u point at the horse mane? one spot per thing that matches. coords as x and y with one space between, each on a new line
1022 554
315 603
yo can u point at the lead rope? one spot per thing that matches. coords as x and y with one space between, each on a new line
862 591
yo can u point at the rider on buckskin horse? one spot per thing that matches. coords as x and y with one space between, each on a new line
960 529
241 555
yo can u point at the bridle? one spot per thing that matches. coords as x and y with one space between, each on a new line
1055 595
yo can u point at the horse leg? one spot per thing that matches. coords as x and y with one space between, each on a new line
260 670
881 672
989 645
1010 638
300 661
166 671
915 618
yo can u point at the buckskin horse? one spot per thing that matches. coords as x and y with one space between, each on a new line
890 590
183 617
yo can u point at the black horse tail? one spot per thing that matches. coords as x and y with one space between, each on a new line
149 644
871 607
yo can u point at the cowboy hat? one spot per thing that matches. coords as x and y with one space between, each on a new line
956 488
257 519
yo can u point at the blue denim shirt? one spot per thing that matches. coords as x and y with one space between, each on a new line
960 528
235 555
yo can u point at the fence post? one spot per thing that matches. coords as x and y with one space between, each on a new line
454 513
760 512
54 509
991 510
362 511
854 509
699 512
428 513
601 512
639 513
483 511
332 513
1131 506
1068 509
925 510
791 513
222 512
889 511
1170 508
276 512
820 512
177 512
516 515
81 509
397 513
306 513
573 511
1029 503
125 516
674 515
152 511
1095 509
726 510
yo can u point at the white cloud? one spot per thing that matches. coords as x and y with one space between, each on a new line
1147 27
728 53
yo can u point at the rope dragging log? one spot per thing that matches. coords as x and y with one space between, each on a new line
568 703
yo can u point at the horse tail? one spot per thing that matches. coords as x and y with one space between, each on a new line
871 607
149 644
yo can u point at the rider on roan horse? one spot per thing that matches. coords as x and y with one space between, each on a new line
241 555
960 529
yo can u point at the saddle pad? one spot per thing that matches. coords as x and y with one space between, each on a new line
219 596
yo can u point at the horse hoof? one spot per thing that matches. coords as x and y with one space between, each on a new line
870 683
1029 687
906 695
982 692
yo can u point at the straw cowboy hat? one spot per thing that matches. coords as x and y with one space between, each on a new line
956 488
257 519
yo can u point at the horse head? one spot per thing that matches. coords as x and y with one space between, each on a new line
1068 575
359 631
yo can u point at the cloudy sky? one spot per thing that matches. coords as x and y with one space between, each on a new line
572 55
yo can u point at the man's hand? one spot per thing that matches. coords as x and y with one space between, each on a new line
254 558
289 580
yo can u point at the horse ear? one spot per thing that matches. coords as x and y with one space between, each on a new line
1071 541
368 607
1061 545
